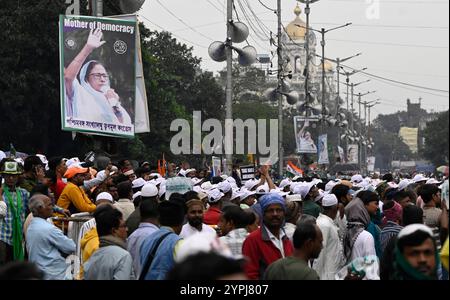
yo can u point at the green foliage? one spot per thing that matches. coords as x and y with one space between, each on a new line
436 146
29 85
245 79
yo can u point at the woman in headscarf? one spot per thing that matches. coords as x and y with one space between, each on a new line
358 242
90 96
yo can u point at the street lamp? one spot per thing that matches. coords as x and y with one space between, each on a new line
338 62
360 126
307 11
323 31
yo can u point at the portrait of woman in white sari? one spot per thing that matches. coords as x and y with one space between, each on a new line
88 94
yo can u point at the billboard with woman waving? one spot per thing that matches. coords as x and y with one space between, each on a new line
97 58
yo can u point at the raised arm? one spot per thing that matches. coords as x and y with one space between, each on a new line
70 73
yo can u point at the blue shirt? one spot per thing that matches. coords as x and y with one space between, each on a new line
135 240
45 242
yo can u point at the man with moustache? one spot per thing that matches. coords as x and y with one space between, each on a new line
416 257
194 217
269 242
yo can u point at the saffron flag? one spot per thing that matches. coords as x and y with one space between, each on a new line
293 169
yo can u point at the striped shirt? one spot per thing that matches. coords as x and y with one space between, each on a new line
6 224
388 232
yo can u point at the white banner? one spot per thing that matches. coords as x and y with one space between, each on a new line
303 137
341 154
141 118
323 150
352 154
216 166
371 163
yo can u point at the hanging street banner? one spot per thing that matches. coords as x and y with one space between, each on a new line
303 137
141 117
352 154
323 150
98 75
371 163
341 155
216 166
410 137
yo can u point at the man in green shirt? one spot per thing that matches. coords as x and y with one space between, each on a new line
309 192
308 244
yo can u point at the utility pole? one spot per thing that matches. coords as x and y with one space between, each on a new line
338 98
229 91
307 11
280 96
97 8
322 43
360 152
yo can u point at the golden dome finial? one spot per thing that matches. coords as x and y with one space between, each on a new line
297 10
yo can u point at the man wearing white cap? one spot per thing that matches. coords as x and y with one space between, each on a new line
416 256
226 188
148 192
331 259
212 215
309 192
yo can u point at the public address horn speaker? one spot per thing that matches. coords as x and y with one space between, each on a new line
239 32
217 51
130 6
271 94
293 97
247 55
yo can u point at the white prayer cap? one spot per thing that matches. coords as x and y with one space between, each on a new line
329 186
224 186
419 178
329 200
214 195
138 182
149 190
410 229
284 183
104 196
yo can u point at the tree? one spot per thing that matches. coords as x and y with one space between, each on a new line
29 77
29 85
248 82
436 146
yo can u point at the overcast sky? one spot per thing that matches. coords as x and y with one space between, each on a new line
409 42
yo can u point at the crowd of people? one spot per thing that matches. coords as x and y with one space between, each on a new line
119 220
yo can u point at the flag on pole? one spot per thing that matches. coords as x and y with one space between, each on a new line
293 169
162 166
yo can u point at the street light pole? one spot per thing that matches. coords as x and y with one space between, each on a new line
307 11
280 96
360 152
97 8
323 31
229 91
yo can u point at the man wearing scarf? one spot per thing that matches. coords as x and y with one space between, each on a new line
111 261
11 225
269 242
358 242
416 257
